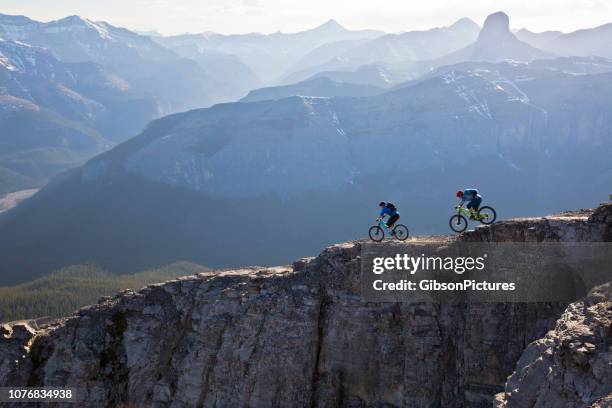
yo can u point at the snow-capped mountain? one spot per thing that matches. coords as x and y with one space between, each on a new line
287 176
54 114
77 39
17 27
215 77
17 56
177 83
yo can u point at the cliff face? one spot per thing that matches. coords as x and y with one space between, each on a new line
301 336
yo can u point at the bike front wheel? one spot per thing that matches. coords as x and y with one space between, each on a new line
458 223
376 233
401 232
487 215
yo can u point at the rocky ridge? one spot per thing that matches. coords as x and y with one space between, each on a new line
301 336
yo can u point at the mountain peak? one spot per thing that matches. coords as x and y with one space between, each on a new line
496 42
330 25
464 23
496 24
79 23
76 20
72 19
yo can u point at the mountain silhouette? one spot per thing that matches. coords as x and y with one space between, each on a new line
495 43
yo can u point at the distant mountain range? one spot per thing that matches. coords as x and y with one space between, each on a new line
269 56
392 49
178 83
76 39
72 88
585 43
413 54
495 43
122 80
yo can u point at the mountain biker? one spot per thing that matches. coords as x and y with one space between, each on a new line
472 197
390 210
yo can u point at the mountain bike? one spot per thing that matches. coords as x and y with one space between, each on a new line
377 232
459 222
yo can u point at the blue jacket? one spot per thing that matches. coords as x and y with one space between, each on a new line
469 194
388 211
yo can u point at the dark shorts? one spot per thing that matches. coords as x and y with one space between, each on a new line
475 203
392 220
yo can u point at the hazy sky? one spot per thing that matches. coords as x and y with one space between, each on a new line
239 16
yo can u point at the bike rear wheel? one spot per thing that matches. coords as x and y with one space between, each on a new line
401 232
376 233
487 215
458 223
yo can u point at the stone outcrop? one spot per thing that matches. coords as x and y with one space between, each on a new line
572 365
301 336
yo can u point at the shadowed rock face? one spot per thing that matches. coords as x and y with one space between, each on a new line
288 336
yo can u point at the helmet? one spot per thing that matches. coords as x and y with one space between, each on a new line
382 204
459 193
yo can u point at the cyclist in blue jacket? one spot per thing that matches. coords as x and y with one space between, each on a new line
473 199
390 210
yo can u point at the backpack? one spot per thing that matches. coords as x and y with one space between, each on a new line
391 206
